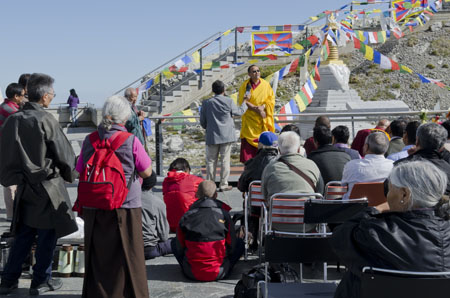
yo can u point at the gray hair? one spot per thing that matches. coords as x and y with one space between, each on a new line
288 142
426 182
378 142
128 92
431 136
38 85
116 110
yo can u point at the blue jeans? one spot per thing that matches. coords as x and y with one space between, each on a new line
46 243
73 114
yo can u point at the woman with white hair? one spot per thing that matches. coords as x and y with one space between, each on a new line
115 262
413 235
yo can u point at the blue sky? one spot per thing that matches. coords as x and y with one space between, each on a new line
99 46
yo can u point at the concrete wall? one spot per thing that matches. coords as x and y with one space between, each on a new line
86 116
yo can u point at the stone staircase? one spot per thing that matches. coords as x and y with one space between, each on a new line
187 90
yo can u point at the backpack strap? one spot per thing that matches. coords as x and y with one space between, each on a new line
118 138
299 172
94 138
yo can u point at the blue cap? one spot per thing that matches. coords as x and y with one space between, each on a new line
268 138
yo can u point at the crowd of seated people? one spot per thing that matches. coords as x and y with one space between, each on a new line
413 158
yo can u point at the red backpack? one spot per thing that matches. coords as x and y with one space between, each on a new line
102 184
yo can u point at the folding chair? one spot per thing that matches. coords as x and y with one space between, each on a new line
387 283
286 211
332 211
253 198
285 246
335 190
373 191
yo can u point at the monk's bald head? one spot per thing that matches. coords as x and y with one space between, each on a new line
207 189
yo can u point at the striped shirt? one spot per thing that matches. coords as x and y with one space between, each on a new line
7 108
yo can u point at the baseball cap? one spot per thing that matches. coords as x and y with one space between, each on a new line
268 138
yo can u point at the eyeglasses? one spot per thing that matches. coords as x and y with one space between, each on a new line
255 71
53 94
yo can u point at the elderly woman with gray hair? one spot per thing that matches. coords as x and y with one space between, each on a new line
413 235
115 263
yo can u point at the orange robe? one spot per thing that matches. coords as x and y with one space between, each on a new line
252 123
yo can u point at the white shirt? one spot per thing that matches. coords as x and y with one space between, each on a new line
372 168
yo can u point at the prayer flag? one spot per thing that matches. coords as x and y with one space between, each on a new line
183 69
253 61
157 78
300 101
196 56
227 32
256 27
298 46
316 73
279 28
369 53
301 27
240 29
287 28
188 112
404 69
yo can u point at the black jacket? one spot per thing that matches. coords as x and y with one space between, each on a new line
254 167
416 240
330 161
435 157
36 155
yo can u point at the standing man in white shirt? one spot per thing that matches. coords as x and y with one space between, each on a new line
373 168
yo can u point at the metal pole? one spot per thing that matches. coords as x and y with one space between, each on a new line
159 151
158 132
220 45
235 44
353 127
200 83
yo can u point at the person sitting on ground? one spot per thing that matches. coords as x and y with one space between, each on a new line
206 246
409 139
430 140
359 140
329 159
309 145
413 236
280 177
179 189
374 167
397 129
155 228
340 140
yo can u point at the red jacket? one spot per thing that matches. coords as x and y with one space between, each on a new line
205 240
179 190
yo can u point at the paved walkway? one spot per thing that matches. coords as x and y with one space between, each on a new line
164 276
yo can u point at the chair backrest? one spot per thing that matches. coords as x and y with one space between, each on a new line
376 282
280 249
288 208
336 211
373 191
255 196
335 190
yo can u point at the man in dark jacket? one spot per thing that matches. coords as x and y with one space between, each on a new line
397 129
206 246
430 139
267 151
329 159
36 155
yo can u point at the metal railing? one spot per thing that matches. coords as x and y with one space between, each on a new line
304 118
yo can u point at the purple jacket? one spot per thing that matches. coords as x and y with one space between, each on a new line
73 101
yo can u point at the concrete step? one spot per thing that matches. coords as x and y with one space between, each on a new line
170 99
193 82
185 88
177 93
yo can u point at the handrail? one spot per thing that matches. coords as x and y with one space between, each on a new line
198 45
340 115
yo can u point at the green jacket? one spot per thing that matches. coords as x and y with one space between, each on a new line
133 125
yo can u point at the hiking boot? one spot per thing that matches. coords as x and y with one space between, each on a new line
6 287
52 284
